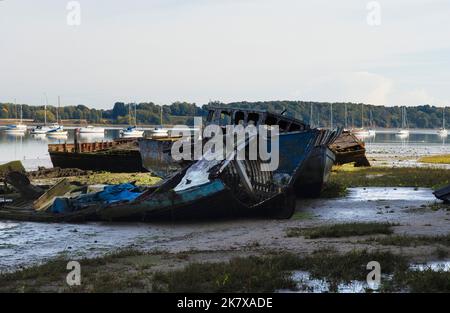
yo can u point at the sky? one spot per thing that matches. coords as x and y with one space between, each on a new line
379 52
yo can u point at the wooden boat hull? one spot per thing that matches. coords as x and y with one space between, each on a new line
120 161
348 149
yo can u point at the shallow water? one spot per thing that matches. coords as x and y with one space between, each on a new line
371 204
306 283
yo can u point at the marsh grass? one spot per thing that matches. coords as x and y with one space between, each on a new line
436 159
334 190
426 281
411 241
349 176
266 273
341 230
53 273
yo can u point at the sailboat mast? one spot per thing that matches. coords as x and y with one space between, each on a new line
345 122
443 118
362 115
57 110
135 115
45 109
161 116
331 115
129 114
311 118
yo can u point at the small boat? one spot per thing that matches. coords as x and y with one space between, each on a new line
91 130
40 130
159 132
57 130
348 148
17 128
404 131
443 132
361 133
131 132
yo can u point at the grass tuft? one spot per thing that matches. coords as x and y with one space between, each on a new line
341 230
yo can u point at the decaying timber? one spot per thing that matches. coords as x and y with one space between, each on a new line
349 149
118 156
156 155
228 187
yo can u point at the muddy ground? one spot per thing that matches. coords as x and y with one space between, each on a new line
411 211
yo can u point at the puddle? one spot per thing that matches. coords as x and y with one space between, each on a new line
308 284
436 266
390 193
373 204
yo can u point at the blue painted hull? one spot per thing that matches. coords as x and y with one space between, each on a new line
220 197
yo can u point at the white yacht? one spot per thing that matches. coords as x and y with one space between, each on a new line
92 130
443 132
159 132
404 131
17 128
57 130
131 132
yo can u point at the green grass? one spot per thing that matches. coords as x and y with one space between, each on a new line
341 230
348 176
334 190
427 281
270 273
251 274
131 271
411 241
437 159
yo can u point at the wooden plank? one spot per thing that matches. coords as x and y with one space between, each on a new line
61 188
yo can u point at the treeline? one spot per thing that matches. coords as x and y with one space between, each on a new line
423 116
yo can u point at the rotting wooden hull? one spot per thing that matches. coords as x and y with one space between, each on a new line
222 195
349 149
119 161
315 173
